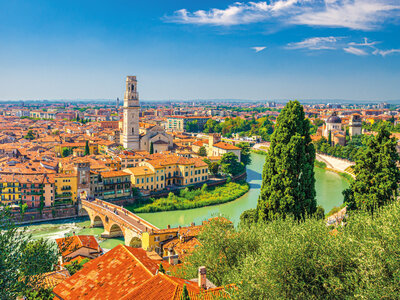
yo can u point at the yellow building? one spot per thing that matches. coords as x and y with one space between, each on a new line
152 241
10 190
65 187
143 178
155 240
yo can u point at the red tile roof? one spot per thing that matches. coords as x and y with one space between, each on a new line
71 244
226 146
111 276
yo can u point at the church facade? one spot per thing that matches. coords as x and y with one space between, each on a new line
135 137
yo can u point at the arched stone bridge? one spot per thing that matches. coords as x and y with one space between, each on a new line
116 221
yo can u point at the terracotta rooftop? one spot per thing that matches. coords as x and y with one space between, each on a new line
111 276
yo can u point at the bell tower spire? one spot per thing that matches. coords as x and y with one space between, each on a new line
130 136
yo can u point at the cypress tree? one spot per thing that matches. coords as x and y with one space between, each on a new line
151 148
185 293
377 174
87 149
161 268
288 183
330 138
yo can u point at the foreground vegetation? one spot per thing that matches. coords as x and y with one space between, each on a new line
285 259
22 261
194 198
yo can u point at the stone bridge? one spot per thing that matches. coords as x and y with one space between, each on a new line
116 221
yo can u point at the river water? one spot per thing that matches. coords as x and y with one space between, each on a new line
329 187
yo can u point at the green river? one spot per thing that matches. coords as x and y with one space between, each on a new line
329 187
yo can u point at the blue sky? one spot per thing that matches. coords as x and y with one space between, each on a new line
285 49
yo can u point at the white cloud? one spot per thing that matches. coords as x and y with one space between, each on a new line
235 14
364 44
315 43
258 49
354 14
386 52
355 51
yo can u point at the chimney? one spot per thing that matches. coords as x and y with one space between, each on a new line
202 277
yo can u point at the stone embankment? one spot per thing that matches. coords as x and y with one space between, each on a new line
334 163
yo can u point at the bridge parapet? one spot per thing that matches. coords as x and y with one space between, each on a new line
116 220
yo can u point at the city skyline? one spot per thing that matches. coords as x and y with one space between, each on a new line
203 50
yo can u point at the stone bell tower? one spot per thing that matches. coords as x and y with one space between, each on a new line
130 135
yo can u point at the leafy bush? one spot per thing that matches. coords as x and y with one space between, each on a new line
195 198
285 259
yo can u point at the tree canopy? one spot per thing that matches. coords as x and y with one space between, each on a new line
229 164
21 259
287 259
245 154
377 174
288 183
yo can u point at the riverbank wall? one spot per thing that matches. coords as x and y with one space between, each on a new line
47 214
70 211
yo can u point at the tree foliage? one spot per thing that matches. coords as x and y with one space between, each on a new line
288 183
285 259
252 127
87 149
30 135
245 154
202 151
230 164
151 148
377 174
350 151
21 260
74 266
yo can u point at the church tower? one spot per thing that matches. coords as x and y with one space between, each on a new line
130 135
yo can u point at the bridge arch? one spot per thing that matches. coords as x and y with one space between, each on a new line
115 231
97 222
135 242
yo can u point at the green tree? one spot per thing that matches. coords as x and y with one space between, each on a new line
185 293
22 209
21 261
161 268
75 266
214 168
288 183
66 151
151 148
202 151
87 149
230 164
192 126
30 135
330 138
245 155
377 174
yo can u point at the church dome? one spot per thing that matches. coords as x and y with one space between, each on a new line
334 119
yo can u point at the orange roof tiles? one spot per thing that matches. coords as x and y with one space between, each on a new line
111 276
70 244
226 146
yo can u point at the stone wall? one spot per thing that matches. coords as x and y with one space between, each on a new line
48 213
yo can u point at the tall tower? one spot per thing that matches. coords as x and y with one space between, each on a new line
355 125
130 135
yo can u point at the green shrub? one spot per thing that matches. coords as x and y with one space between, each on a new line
188 199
